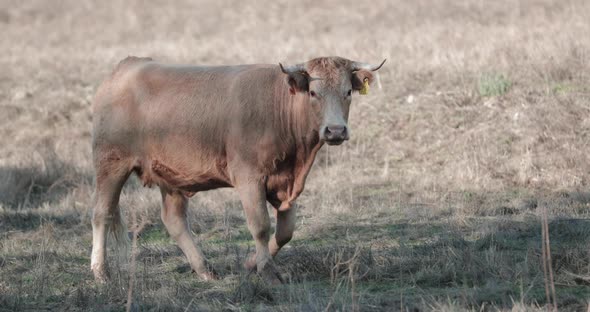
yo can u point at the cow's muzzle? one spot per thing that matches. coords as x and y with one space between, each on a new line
335 134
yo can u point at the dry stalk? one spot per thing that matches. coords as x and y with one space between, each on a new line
547 267
136 230
351 267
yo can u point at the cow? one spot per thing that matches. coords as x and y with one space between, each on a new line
187 129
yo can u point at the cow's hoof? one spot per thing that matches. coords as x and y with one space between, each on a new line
250 264
101 274
207 273
271 275
208 276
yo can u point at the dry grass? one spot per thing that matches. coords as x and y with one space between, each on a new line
435 203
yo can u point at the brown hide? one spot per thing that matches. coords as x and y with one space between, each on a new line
191 129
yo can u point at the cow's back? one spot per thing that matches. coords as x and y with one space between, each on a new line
181 117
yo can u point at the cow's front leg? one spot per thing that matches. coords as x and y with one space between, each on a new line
283 233
253 197
285 228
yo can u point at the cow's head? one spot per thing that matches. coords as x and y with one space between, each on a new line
329 83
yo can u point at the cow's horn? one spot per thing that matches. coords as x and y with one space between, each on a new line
297 68
358 66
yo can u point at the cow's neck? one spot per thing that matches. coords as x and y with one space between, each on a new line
300 127
297 121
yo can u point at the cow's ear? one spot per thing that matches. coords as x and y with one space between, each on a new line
298 82
358 78
297 78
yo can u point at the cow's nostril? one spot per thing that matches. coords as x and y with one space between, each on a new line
335 133
336 129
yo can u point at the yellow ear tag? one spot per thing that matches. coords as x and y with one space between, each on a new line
365 89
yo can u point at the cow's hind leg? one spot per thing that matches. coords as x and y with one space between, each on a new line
174 216
110 178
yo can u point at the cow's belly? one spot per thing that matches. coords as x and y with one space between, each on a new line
187 174
163 175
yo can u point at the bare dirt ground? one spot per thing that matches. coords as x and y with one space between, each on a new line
435 203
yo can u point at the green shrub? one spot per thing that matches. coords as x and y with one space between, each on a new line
492 84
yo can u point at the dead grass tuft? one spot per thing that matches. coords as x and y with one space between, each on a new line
47 181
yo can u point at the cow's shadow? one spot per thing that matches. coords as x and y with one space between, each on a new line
23 189
441 259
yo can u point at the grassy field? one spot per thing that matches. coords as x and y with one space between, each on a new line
481 124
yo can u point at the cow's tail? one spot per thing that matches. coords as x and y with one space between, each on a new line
118 230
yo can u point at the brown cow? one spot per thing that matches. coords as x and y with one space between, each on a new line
186 129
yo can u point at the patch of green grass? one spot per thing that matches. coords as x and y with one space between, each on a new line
155 235
75 259
28 278
378 286
67 279
242 237
562 88
313 241
493 84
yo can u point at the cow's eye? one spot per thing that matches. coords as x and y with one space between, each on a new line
312 93
349 93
